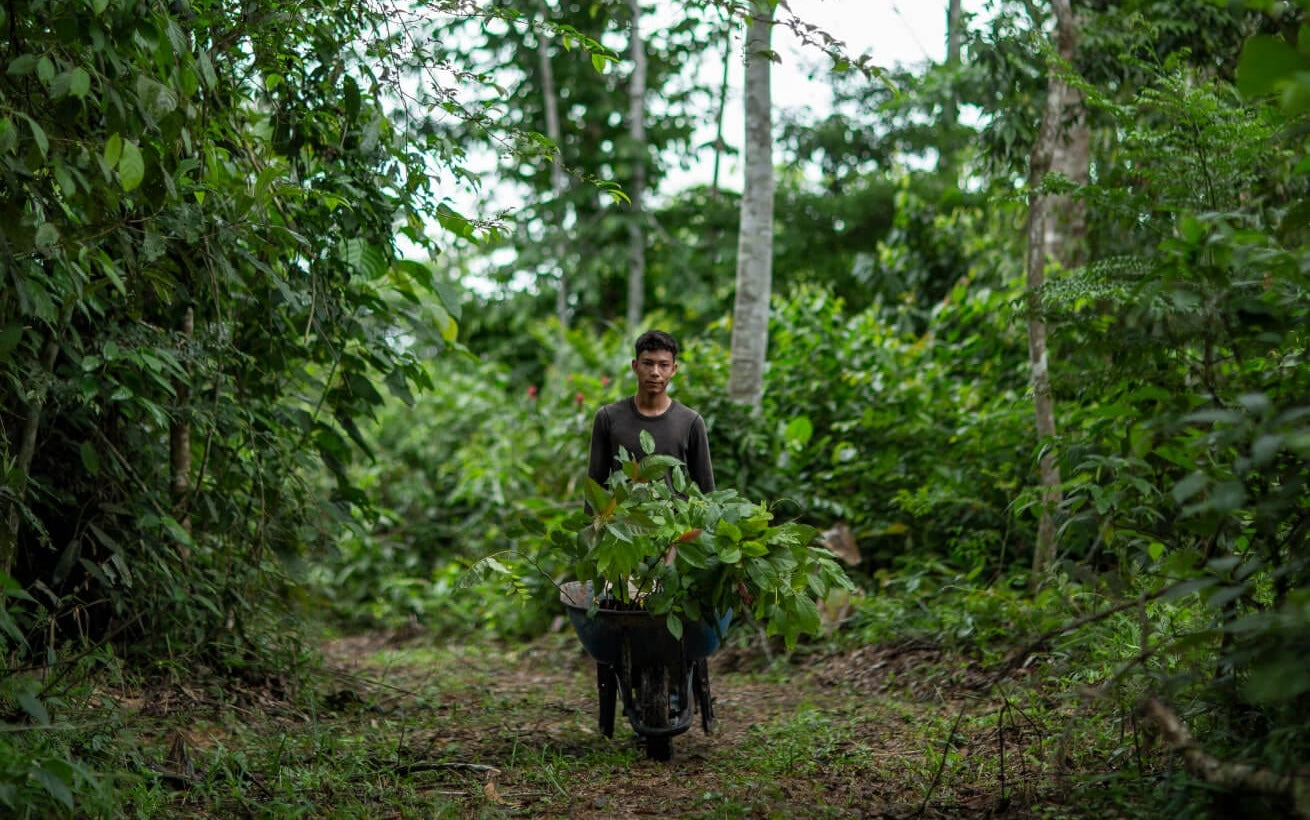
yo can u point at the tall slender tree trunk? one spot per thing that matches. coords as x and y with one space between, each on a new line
637 134
950 107
26 454
1055 225
558 181
750 313
179 434
720 145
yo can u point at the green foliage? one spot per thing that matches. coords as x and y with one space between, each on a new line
858 412
198 253
654 539
199 208
1184 456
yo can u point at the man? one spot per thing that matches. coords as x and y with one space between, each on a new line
678 430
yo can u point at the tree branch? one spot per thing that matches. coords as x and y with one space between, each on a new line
1227 774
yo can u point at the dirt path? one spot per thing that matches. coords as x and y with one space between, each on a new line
498 731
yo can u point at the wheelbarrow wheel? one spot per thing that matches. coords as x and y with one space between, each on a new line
700 687
607 692
659 747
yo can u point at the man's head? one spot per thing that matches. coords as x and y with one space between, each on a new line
655 363
656 340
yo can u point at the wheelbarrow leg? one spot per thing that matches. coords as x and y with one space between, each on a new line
700 687
606 690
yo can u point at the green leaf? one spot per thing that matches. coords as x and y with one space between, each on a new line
647 442
90 458
72 83
727 532
13 589
1278 679
47 237
38 135
131 167
352 99
58 784
113 149
675 625
368 259
9 339
798 432
596 496
177 531
1266 63
22 64
33 706
1189 486
656 466
206 67
449 298
693 554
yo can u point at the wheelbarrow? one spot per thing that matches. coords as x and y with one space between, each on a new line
660 678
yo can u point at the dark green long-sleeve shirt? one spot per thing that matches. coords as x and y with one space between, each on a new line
678 432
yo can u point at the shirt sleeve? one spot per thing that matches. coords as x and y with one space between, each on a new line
699 466
601 459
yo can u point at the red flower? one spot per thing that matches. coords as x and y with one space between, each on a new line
532 392
605 381
579 398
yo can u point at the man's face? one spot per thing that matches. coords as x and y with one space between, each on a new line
654 369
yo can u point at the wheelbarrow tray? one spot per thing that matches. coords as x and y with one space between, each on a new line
603 634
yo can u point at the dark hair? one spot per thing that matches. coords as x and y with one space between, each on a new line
656 340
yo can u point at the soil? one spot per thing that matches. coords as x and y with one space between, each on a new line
878 721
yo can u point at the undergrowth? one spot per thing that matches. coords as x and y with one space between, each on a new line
934 697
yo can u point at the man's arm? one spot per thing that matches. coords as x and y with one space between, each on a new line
601 459
699 467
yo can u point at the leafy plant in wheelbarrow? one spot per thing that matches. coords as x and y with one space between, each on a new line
653 541
662 568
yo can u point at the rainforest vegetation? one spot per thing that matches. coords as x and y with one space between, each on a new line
306 309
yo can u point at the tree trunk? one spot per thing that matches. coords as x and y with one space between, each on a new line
637 133
750 313
950 107
1054 229
26 454
719 143
179 436
558 183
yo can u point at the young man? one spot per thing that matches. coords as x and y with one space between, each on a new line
678 430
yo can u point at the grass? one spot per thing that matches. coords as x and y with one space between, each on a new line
424 729
419 726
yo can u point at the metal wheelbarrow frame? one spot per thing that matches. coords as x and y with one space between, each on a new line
660 678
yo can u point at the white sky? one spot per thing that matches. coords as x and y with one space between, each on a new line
892 32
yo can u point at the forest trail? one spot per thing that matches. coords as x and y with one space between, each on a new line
499 731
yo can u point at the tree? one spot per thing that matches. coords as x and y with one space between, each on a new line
636 193
604 153
198 226
560 206
1051 232
750 314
